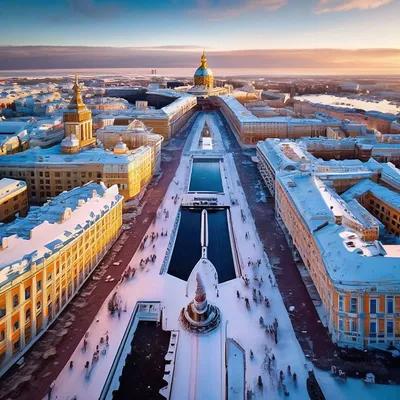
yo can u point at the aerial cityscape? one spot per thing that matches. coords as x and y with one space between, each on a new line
200 200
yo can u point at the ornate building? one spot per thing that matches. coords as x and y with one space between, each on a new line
47 257
51 171
203 75
77 123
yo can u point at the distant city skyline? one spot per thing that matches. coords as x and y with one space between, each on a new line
171 33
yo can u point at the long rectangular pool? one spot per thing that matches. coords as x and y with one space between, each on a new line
187 249
206 176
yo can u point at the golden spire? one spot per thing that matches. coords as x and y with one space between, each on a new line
203 60
76 101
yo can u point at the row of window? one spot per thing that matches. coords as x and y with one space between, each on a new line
47 174
373 327
373 305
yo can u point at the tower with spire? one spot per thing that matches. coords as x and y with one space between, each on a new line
203 75
199 316
77 123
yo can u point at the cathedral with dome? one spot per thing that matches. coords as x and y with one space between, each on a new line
203 75
204 81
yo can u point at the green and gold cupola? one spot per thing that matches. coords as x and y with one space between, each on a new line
203 75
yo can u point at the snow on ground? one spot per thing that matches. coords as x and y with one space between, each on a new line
354 389
236 371
200 360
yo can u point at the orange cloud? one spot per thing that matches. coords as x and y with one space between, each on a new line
326 6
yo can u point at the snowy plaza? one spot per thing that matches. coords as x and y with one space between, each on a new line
254 337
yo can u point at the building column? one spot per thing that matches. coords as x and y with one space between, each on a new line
44 297
22 317
60 283
33 312
72 277
9 309
360 322
53 290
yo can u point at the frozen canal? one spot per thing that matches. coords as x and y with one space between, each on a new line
205 367
219 249
206 176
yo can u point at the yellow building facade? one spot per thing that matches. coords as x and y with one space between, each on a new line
79 160
51 174
135 135
13 198
34 291
352 277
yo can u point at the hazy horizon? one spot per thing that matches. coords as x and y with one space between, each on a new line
328 36
274 61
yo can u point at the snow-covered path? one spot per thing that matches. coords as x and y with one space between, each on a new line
200 361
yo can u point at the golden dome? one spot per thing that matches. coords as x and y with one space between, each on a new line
203 75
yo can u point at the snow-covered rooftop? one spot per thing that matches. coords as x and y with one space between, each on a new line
245 116
349 261
386 195
9 186
308 200
391 175
286 154
53 155
46 229
11 127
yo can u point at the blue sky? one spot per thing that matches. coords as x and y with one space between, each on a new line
213 24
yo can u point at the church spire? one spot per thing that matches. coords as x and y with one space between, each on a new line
203 60
76 102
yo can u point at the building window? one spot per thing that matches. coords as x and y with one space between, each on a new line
372 327
353 305
341 324
27 293
38 305
389 328
389 304
15 300
341 303
28 315
39 285
2 312
373 306
49 277
16 326
2 336
353 325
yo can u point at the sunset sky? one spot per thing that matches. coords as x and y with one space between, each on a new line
160 29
